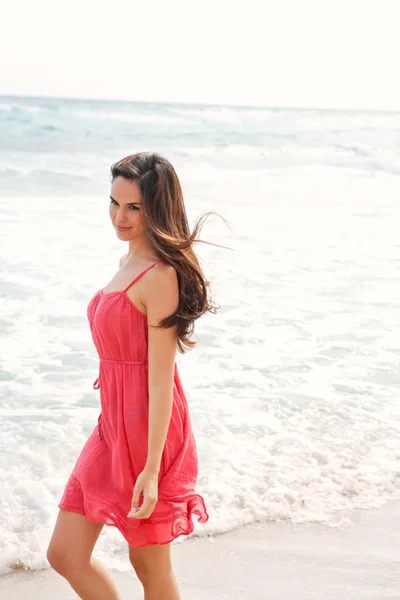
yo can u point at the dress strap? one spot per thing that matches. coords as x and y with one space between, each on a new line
141 274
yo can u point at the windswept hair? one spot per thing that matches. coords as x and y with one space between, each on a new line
169 234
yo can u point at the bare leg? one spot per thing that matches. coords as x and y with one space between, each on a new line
153 567
70 554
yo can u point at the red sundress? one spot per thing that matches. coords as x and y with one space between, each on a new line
102 480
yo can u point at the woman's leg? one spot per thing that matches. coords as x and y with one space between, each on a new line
70 554
153 566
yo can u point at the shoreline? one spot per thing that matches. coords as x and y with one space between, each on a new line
265 561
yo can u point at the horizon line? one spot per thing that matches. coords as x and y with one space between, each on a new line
192 103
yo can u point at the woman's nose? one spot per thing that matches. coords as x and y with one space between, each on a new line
121 215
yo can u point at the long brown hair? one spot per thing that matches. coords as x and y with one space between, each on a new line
169 234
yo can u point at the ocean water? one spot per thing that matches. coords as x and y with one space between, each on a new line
294 385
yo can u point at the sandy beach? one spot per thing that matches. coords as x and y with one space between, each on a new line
265 561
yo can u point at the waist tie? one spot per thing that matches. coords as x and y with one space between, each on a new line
97 383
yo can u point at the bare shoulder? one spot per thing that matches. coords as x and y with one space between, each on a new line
162 291
163 278
163 272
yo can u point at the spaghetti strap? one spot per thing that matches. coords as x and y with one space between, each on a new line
141 274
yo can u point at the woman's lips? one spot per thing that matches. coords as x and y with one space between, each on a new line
122 228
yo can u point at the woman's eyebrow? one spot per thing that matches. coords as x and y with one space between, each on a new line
128 204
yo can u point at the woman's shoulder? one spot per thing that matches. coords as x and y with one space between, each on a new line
163 272
162 280
161 296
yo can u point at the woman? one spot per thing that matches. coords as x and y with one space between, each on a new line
138 469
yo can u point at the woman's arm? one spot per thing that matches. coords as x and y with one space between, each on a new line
162 299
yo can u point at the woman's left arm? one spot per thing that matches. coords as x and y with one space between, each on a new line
162 299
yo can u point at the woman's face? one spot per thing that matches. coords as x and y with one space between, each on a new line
127 209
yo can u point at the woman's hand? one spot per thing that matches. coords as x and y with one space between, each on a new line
148 484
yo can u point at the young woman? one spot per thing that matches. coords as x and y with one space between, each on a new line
138 469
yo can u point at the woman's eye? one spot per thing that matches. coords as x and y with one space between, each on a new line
134 207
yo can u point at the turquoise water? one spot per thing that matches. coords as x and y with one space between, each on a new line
65 146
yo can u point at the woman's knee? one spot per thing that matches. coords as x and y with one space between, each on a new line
72 542
59 559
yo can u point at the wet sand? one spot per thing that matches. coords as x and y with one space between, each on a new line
265 561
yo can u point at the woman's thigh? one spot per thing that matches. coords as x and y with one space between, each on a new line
156 557
73 540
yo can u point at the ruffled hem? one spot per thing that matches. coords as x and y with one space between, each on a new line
168 521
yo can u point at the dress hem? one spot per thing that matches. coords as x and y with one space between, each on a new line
180 524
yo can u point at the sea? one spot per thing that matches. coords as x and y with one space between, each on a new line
294 383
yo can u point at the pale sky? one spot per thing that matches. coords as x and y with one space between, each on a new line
297 53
